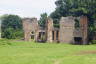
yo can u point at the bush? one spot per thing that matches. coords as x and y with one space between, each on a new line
94 42
11 26
18 34
10 33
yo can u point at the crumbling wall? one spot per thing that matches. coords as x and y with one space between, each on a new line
49 28
30 25
84 29
65 33
67 30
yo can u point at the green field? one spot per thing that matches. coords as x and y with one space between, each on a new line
19 52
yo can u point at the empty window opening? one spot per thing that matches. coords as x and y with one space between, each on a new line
42 37
32 35
52 35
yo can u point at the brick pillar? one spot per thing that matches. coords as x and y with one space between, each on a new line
67 30
49 27
84 29
27 36
26 28
36 33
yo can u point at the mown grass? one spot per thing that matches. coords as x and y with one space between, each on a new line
20 52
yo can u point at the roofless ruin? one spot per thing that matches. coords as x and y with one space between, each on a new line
67 33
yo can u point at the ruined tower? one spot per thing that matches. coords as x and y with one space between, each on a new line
49 28
84 29
67 29
30 27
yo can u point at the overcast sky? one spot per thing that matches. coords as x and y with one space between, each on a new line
27 8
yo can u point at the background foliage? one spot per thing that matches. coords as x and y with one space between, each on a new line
11 26
42 20
76 8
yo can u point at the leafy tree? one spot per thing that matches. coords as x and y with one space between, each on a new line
42 20
76 8
10 25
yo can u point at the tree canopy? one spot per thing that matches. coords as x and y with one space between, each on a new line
74 8
42 20
11 26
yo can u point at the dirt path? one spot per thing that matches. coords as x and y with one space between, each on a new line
87 52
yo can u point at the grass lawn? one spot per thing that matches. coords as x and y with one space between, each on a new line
18 52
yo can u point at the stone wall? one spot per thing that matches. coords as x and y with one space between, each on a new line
65 34
84 29
67 30
30 25
49 28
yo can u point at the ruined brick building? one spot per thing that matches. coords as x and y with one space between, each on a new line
67 33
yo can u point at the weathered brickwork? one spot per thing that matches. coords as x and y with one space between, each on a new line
67 33
67 29
49 29
84 29
30 26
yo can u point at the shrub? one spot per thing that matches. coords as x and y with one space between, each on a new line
94 42
18 34
11 26
10 33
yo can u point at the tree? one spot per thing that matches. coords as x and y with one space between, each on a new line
76 8
42 20
10 25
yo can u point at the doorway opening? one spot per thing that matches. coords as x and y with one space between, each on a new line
78 40
32 35
42 37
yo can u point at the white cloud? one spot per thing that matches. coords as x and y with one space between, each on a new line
26 8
